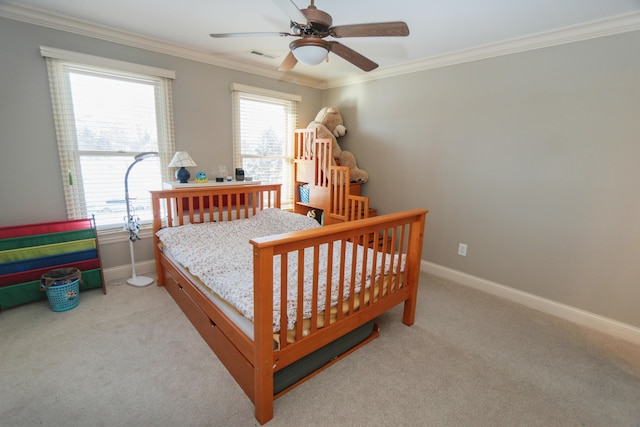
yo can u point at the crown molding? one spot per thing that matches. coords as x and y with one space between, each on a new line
43 18
575 33
585 31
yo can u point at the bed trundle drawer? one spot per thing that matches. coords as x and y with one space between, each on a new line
229 355
322 358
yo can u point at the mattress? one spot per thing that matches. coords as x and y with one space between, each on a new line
218 256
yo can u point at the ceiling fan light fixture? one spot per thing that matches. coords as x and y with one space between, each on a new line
310 51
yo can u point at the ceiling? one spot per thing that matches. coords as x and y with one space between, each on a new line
441 31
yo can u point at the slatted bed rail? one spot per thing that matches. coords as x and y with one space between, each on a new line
192 206
383 291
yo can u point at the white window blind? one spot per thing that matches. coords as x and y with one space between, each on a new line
263 128
103 118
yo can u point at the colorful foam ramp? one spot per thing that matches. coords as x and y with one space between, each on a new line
30 250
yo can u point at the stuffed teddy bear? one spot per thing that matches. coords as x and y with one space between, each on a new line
329 125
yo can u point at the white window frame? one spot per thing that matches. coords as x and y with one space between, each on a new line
58 63
291 101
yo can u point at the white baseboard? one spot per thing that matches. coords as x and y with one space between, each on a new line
123 272
602 324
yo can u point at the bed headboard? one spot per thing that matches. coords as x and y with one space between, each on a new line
177 207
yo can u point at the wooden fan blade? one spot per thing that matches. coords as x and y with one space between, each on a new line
289 62
295 15
352 56
380 29
252 34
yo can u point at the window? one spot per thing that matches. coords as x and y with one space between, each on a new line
264 123
104 116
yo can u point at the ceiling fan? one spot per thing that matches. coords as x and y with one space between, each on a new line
312 25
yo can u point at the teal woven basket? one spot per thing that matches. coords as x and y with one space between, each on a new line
62 287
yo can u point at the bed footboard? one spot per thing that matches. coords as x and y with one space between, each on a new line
385 277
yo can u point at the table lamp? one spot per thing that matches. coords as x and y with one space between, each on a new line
181 160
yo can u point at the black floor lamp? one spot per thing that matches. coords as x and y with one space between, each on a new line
132 224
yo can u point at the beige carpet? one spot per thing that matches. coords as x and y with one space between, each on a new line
131 358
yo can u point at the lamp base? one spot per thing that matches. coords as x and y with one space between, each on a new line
183 175
140 281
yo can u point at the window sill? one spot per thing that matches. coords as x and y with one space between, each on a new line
111 236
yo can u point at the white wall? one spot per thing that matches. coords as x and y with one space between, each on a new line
29 167
531 159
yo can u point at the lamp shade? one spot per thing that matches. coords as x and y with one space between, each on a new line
310 51
181 159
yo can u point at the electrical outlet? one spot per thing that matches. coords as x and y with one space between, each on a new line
462 249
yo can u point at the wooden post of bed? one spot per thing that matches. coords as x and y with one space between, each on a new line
416 235
263 328
157 225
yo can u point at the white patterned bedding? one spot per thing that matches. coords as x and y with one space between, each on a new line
220 255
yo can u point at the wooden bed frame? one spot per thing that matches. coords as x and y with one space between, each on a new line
253 363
